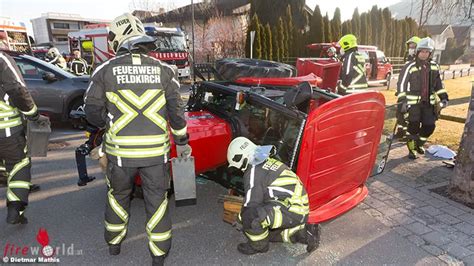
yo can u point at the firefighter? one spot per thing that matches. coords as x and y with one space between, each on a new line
134 96
421 94
332 54
401 132
352 74
15 102
78 65
411 49
276 204
53 56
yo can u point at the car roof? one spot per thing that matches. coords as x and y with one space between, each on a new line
42 63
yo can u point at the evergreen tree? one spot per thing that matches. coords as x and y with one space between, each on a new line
336 24
290 30
316 32
355 23
381 30
328 30
345 28
264 41
364 29
373 25
276 44
387 16
281 38
257 46
269 41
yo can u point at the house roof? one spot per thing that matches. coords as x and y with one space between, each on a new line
461 33
203 10
435 29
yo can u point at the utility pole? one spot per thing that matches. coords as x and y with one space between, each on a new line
192 37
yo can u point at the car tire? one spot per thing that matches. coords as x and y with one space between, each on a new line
232 68
77 104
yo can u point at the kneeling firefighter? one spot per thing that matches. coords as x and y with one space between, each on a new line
135 97
421 94
276 204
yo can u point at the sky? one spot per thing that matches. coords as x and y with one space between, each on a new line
24 10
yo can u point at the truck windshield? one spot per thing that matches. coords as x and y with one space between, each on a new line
169 42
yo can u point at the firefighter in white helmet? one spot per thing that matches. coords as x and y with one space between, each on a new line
276 204
136 97
421 95
53 56
332 54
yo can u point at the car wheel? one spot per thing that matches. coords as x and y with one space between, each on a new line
232 69
78 105
387 80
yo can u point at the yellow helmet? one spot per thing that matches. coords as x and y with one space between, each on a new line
414 39
348 41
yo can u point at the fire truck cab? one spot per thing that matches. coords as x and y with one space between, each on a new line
172 47
92 42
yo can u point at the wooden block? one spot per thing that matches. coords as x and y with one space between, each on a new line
232 207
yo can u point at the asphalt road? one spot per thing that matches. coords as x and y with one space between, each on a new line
73 216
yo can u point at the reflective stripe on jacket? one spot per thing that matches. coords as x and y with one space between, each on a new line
136 97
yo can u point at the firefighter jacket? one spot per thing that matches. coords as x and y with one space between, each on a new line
134 96
352 73
273 181
15 100
78 66
410 83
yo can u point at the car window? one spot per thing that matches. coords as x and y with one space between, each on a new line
380 56
29 70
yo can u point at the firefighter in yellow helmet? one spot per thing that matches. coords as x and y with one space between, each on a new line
411 49
136 97
352 74
276 204
421 95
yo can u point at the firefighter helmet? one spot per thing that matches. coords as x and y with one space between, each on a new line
414 39
347 42
123 28
239 153
53 52
425 43
332 49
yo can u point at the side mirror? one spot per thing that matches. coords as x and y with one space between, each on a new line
48 76
239 100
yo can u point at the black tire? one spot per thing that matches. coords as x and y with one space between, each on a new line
232 68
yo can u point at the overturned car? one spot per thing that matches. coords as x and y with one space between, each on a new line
333 143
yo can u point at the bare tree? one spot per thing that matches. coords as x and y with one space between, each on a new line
445 10
461 185
151 5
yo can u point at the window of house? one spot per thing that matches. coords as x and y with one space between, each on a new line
61 39
60 25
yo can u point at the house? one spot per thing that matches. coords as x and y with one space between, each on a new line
440 34
53 28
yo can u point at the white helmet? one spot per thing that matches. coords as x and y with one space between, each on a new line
332 49
123 28
53 52
425 43
239 153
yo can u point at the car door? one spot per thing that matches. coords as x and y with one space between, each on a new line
381 68
337 152
46 94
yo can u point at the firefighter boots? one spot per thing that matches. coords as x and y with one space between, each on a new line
253 247
114 249
313 234
15 216
411 149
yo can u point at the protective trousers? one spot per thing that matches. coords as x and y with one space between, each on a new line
273 222
13 156
155 182
421 122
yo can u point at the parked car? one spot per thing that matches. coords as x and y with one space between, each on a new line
55 91
378 68
331 142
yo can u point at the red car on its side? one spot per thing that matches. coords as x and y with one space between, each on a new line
331 142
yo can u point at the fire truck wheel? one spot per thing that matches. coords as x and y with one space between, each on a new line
232 68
